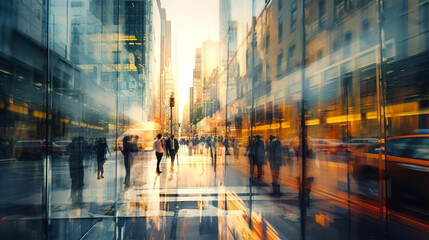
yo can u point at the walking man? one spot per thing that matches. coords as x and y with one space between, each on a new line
276 160
172 147
157 146
77 148
259 156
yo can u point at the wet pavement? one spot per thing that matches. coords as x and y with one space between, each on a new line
197 200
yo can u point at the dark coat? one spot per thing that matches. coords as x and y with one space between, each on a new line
259 152
78 148
169 145
275 155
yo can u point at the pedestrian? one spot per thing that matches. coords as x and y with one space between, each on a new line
226 145
259 156
172 147
275 157
196 144
77 148
249 154
126 149
101 146
213 150
159 150
236 146
190 147
107 149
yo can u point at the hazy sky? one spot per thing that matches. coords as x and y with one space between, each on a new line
193 21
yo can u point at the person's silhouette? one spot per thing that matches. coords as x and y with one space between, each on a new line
77 148
172 147
126 149
159 150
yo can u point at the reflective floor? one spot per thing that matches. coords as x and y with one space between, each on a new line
199 199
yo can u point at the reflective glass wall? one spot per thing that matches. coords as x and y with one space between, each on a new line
75 77
342 85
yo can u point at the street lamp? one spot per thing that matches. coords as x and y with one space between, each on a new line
171 113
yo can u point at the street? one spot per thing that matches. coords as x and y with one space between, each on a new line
195 201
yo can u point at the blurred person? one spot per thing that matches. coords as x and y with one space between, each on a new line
159 150
107 149
101 146
307 190
134 144
275 157
236 147
207 145
213 151
172 146
190 147
226 145
259 156
77 148
92 147
195 143
202 145
163 142
126 149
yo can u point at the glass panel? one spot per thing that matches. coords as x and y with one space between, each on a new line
341 73
406 57
82 104
23 89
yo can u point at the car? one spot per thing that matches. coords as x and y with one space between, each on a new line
34 149
63 146
355 143
327 145
407 168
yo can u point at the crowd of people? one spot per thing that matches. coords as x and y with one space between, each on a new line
258 153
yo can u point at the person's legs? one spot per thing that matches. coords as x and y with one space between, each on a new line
127 170
275 177
172 155
73 189
102 169
260 171
158 158
99 165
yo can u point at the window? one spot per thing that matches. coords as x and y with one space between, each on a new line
335 44
347 43
322 13
279 63
293 15
397 147
267 71
280 4
421 149
280 29
291 54
365 26
374 149
76 4
340 8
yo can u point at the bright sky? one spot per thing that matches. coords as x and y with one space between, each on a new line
192 22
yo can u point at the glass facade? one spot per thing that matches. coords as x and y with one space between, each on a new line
314 124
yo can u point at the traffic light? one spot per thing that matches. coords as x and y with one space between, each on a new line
171 101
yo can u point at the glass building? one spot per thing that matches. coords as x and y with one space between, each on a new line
313 124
